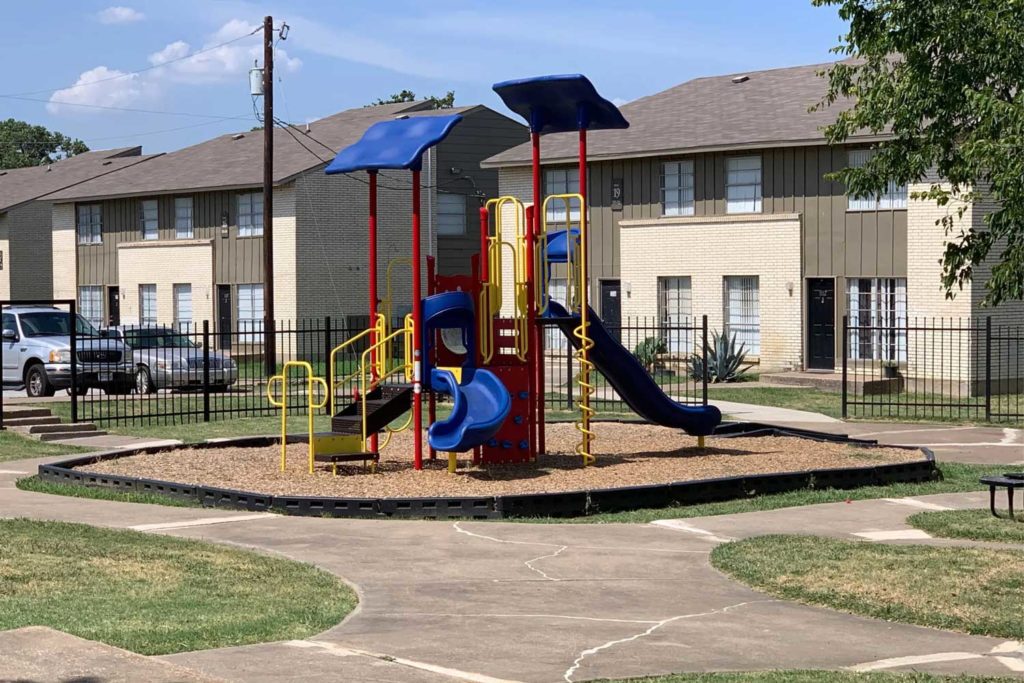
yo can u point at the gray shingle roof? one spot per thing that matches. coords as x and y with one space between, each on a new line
236 160
20 185
769 108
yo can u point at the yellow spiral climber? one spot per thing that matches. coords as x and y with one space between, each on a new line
586 391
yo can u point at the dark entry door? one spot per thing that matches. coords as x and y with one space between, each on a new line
113 306
611 307
224 316
821 324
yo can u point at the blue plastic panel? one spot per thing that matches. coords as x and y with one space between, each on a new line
395 144
557 104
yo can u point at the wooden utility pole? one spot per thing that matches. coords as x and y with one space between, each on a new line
269 339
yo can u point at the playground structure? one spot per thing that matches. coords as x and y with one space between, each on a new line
456 341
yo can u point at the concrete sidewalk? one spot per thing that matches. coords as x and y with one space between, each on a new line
492 602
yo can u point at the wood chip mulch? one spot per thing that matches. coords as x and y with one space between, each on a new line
627 455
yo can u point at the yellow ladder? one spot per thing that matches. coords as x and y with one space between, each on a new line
491 294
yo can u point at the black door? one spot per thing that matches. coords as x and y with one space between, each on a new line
113 306
611 307
821 324
224 316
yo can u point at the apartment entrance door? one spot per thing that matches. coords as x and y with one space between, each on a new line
821 324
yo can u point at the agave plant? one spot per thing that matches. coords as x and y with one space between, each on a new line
725 360
648 350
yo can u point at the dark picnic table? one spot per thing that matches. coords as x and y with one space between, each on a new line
1010 481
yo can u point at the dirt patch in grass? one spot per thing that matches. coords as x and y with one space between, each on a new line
978 525
974 590
158 595
627 454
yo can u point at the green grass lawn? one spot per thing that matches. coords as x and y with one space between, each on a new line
37 485
956 478
973 590
795 398
155 594
978 525
806 677
15 446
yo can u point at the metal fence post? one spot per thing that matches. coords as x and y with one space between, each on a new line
845 345
988 368
74 361
704 360
329 372
206 371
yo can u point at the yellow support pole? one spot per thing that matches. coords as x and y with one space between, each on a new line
700 442
453 462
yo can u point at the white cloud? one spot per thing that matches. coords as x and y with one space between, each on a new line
120 15
176 63
100 86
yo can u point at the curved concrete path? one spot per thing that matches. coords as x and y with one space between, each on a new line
487 602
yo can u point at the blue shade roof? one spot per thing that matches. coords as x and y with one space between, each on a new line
556 104
394 144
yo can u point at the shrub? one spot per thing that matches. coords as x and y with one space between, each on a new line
648 350
725 360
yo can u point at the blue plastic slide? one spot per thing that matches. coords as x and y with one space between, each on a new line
631 381
481 405
481 401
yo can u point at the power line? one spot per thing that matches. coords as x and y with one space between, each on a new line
131 109
137 71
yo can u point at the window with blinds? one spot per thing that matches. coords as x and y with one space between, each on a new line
675 311
250 313
743 311
677 188
183 307
894 197
90 304
743 184
147 305
90 223
183 229
451 214
877 318
562 181
149 219
250 214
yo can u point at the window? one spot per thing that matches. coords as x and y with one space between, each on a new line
674 314
90 304
183 307
183 218
878 318
677 188
558 290
146 304
742 312
250 313
90 223
562 181
894 197
743 184
148 214
250 214
451 214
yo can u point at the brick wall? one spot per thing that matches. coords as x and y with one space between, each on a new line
706 249
166 264
5 254
65 252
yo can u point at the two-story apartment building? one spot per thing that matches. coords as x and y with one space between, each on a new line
715 201
179 239
26 265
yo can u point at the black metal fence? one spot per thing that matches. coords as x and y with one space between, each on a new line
932 368
190 373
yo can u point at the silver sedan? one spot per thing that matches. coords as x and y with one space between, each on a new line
166 359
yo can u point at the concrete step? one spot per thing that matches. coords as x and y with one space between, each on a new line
68 436
11 421
16 413
829 381
47 428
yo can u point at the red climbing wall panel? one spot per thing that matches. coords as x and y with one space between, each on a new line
512 442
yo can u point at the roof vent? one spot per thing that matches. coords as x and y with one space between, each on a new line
399 117
3 172
740 79
238 136
107 162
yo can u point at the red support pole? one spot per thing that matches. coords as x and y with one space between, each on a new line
534 359
431 398
417 322
372 257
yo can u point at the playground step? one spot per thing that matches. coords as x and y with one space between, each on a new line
347 457
11 421
383 406
58 427
67 436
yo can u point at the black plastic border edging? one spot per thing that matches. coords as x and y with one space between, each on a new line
560 504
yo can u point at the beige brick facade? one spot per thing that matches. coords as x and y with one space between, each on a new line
5 255
707 249
65 252
166 264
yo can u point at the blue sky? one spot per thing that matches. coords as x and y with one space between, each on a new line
345 53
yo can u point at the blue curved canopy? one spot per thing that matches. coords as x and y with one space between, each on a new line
399 143
557 104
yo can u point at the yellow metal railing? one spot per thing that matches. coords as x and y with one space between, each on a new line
312 404
378 331
492 291
386 305
576 285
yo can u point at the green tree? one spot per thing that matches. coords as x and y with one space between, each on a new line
446 102
946 79
22 144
